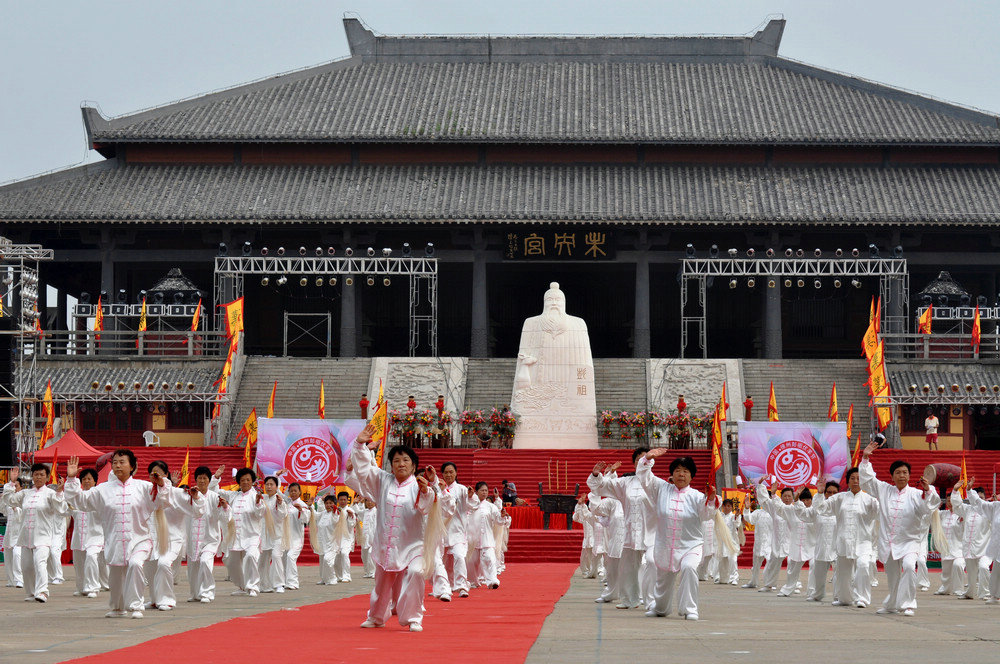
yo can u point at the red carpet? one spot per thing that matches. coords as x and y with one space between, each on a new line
491 626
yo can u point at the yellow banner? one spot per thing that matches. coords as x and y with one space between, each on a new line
234 316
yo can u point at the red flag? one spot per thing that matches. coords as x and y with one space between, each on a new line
723 404
976 330
142 322
964 478
924 324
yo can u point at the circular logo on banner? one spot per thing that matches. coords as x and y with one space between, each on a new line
793 462
312 460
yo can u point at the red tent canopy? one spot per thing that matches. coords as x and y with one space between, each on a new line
69 445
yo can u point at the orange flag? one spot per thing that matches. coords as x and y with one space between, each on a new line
924 324
197 317
869 342
723 404
322 400
976 330
98 320
772 406
48 412
716 447
234 316
248 431
850 421
53 475
185 469
270 403
856 457
831 412
142 321
964 478
380 420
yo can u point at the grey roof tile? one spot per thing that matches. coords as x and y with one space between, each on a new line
70 377
601 193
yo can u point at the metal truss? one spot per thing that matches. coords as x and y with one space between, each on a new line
143 397
893 275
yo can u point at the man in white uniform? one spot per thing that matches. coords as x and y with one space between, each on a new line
403 500
953 562
824 551
457 501
11 550
588 559
779 537
800 535
125 506
246 510
762 524
297 519
204 536
610 522
87 543
41 510
902 510
975 538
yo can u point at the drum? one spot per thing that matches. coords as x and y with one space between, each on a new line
942 476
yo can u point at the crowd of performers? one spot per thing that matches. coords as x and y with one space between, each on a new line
649 540
130 536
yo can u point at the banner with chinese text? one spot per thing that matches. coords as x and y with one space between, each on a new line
793 453
591 243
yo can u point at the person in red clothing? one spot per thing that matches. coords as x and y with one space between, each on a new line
439 404
747 407
363 405
411 403
681 404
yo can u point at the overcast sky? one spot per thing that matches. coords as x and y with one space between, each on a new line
127 55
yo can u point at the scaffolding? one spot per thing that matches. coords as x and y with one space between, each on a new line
422 273
19 265
894 283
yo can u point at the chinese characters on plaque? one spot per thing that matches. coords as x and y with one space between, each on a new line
585 244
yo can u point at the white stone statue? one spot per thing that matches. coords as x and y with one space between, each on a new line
554 382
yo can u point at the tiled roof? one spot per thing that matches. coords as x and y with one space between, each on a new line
601 193
978 375
77 377
540 89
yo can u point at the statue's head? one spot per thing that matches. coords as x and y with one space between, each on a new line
555 299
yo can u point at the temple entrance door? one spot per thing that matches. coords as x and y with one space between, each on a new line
985 430
307 335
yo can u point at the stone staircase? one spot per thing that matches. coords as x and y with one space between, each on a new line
298 379
802 390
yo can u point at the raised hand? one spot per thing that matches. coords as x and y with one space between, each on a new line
219 471
277 499
431 475
72 468
655 452
223 503
472 491
422 481
279 472
175 477
581 499
156 478
599 467
365 437
350 466
193 492
60 486
871 447
15 472
260 496
613 467
971 482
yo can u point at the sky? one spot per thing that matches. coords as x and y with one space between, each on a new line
125 56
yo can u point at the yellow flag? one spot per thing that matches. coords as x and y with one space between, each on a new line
322 400
380 420
185 469
772 406
850 421
831 413
270 403
234 316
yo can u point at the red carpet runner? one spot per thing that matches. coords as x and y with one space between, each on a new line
496 625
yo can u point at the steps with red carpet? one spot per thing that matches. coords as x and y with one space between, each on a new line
544 546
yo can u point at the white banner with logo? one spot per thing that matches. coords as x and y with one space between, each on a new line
793 453
310 451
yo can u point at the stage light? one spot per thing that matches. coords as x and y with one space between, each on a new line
122 296
265 281
386 281
788 283
817 253
751 253
954 387
158 297
94 385
178 297
223 249
348 252
800 282
136 385
263 251
799 253
982 410
303 281
332 281
996 410
788 253
913 388
371 252
107 387
732 253
940 389
190 386
407 251
855 283
817 284
713 251
140 297
429 250
855 252
751 282
926 300
968 387
165 386
872 251
981 300
370 281
318 251
247 248
732 283
926 388
942 300
965 299
996 389
839 252
84 297
836 283
349 281
689 251
282 280
386 252
319 281
770 253
178 385
150 385
331 251
982 389
302 251
771 283
897 251
281 251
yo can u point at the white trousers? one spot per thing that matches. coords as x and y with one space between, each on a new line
588 562
995 580
87 566
771 572
160 573
792 581
902 577
12 562
128 582
628 577
705 567
952 578
200 576
758 560
342 567
727 569
687 581
450 570
402 591
271 566
978 570
853 579
923 578
647 577
612 577
291 563
35 571
369 563
243 570
817 579
484 562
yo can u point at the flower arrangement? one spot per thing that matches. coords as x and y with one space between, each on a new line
643 424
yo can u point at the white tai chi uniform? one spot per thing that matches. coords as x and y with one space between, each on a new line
639 534
800 537
337 530
991 511
708 559
952 563
901 514
368 520
125 510
325 549
975 537
11 550
204 537
679 536
58 546
482 543
824 554
855 515
923 577
247 515
159 569
588 558
87 544
451 575
763 529
41 511
399 539
779 542
727 559
271 568
610 523
297 520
